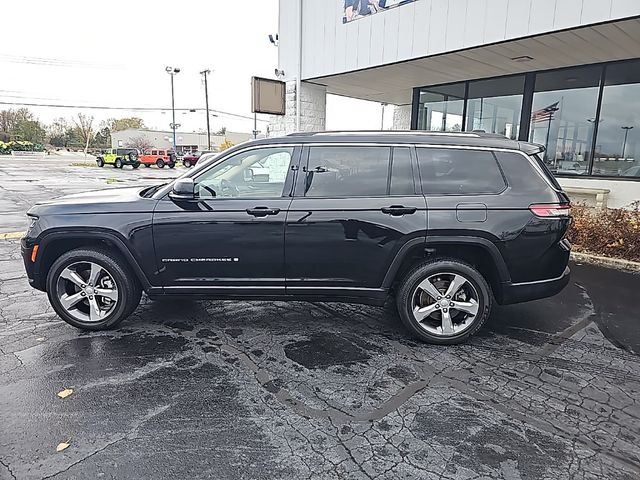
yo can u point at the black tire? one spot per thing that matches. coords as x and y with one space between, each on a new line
160 163
135 166
125 280
133 157
147 165
100 162
172 165
404 298
187 163
118 163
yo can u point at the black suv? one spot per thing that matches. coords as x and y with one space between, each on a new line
446 223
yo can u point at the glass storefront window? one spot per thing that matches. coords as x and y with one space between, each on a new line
440 108
618 140
494 106
563 116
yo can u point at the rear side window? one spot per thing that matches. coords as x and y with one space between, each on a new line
547 172
447 171
347 171
401 173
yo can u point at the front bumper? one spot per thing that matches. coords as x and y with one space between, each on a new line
26 249
527 291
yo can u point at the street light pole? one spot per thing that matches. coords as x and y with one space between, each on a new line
206 100
173 71
624 144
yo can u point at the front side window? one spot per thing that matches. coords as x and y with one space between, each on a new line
449 171
258 173
348 171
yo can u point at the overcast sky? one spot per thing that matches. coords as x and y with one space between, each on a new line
115 53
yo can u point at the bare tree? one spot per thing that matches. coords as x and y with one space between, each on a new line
83 125
140 142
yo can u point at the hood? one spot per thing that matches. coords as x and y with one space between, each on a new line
113 200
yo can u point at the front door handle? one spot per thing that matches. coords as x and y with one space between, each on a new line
398 210
262 211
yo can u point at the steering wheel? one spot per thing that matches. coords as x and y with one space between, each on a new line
228 188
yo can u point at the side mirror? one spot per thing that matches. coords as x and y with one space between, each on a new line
183 189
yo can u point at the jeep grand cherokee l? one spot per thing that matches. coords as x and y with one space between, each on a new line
445 223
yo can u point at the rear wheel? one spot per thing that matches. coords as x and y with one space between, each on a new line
444 301
135 165
92 289
147 165
100 162
118 163
160 163
187 163
172 165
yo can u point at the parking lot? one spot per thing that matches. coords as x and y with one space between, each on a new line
208 389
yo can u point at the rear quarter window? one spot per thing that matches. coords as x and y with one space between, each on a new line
521 175
450 171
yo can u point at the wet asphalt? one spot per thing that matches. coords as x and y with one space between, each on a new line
271 390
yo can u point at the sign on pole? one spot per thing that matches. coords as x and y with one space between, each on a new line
268 96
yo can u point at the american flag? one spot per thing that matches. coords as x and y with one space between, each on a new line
544 114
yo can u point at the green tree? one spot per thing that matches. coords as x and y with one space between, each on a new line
117 125
103 137
21 124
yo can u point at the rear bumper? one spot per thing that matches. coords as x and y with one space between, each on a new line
527 291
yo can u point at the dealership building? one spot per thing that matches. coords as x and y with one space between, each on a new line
561 73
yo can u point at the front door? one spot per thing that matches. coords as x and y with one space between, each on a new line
230 239
354 208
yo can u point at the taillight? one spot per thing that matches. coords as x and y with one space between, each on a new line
551 210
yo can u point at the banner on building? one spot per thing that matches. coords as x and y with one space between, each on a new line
354 9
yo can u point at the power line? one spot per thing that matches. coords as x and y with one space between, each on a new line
132 109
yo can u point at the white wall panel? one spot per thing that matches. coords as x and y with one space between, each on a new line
424 28
406 25
518 12
495 20
438 26
474 22
390 36
456 16
421 28
595 11
541 16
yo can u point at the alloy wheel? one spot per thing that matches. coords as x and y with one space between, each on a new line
87 291
445 304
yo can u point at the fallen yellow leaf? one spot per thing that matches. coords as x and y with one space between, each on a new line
65 393
62 446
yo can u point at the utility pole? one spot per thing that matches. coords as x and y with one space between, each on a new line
624 144
206 100
173 71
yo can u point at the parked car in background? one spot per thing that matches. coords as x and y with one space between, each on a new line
447 224
119 157
190 159
159 158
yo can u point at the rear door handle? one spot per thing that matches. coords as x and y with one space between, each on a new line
262 211
398 210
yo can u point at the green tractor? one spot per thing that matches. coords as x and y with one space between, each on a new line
119 157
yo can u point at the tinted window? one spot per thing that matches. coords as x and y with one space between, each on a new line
347 171
401 173
459 172
258 173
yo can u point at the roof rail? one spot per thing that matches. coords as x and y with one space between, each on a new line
391 133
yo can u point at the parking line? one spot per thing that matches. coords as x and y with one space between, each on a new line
11 235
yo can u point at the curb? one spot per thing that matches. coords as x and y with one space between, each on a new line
616 263
11 235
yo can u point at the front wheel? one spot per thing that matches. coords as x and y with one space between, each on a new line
92 289
187 163
160 163
444 301
100 162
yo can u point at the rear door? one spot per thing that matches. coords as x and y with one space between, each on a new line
354 207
